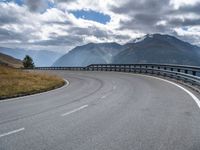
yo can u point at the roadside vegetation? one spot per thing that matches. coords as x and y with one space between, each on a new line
28 62
16 82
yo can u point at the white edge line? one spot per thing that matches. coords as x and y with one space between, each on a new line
179 86
184 89
15 98
11 132
74 110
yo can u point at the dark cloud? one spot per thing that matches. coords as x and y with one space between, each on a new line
61 23
190 9
8 17
91 31
145 16
150 6
8 35
146 19
184 22
96 32
36 5
77 36
64 1
143 23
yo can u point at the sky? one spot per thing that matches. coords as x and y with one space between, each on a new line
60 25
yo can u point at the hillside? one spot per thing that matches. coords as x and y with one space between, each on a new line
92 53
10 61
40 58
17 82
159 48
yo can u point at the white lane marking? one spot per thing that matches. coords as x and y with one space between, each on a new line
67 83
179 86
11 132
104 96
75 110
26 96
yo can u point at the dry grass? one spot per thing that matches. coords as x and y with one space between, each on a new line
14 82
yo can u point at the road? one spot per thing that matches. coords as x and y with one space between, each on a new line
102 111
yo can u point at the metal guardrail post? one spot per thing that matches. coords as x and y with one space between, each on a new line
194 73
186 71
134 69
152 69
140 69
146 71
158 73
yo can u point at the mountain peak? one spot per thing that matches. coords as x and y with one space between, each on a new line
140 39
153 36
151 48
103 43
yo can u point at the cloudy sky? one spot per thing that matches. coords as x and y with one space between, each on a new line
60 25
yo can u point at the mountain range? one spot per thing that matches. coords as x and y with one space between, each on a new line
98 53
40 57
159 49
151 48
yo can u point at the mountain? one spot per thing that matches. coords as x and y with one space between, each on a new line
157 48
92 53
10 61
152 48
40 58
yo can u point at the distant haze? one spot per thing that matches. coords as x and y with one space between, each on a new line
151 48
40 58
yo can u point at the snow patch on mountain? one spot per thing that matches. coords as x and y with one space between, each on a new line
140 39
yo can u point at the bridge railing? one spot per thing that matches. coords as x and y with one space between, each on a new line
189 74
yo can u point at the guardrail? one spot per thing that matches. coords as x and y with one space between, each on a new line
189 74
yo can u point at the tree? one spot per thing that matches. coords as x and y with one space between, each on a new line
28 62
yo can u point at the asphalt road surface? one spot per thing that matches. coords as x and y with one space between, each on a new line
103 111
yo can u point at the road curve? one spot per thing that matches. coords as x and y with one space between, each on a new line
102 111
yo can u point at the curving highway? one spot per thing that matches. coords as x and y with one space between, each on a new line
103 111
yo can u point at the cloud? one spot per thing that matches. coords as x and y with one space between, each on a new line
190 9
8 15
37 5
64 1
185 22
50 24
159 16
7 35
60 41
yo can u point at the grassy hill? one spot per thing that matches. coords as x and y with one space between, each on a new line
10 61
17 82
